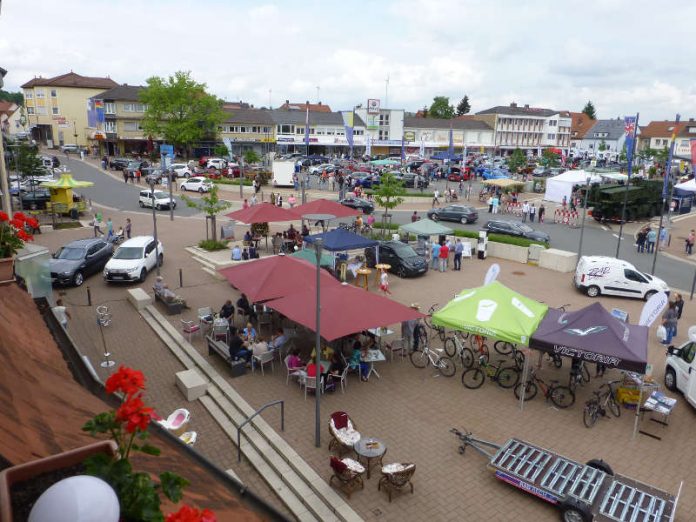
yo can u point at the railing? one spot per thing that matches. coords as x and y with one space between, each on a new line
239 430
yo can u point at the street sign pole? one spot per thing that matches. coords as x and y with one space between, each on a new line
166 152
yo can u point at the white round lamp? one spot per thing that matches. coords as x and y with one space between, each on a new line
77 499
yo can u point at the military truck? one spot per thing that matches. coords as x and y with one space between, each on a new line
606 200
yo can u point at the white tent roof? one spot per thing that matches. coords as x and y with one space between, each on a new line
687 185
576 176
562 185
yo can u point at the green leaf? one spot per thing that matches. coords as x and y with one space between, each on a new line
101 423
173 485
150 450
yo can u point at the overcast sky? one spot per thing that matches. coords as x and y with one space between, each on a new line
626 56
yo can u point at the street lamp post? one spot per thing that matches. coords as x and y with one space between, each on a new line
584 213
317 348
154 224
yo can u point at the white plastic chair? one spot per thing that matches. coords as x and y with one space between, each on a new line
341 379
176 420
262 359
311 382
292 372
205 317
190 328
189 438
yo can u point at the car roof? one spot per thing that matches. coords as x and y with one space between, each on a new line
137 241
198 178
607 259
84 243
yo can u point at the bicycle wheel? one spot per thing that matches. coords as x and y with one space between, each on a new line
508 377
585 373
519 359
590 413
562 396
467 358
557 360
483 352
450 347
473 378
419 359
530 390
446 366
441 332
503 348
614 406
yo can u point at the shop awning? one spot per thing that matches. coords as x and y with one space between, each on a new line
66 181
339 240
493 311
594 335
425 227
324 206
262 213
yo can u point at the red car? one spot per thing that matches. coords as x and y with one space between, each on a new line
456 175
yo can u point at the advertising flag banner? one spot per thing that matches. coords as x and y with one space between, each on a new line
668 166
492 274
450 147
306 129
630 128
692 144
368 146
421 152
653 308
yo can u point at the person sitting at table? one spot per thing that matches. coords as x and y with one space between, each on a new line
326 353
245 255
356 363
277 242
227 311
236 253
291 232
335 372
239 349
246 308
305 230
259 348
248 237
253 254
278 339
249 333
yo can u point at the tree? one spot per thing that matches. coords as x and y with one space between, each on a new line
389 194
517 160
441 108
464 106
549 159
590 110
221 150
28 161
250 156
602 146
15 97
661 156
180 110
210 205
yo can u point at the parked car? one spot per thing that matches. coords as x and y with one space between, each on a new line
367 207
180 170
70 148
118 163
157 198
35 199
409 180
517 229
133 166
404 261
365 179
134 259
541 172
318 169
197 184
78 259
597 275
461 213
680 368
152 175
216 163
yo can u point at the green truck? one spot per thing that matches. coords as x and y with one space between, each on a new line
606 200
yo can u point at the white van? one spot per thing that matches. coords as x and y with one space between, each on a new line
283 172
597 275
680 374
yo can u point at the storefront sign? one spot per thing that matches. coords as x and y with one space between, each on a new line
373 106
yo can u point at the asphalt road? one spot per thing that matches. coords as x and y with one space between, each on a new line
597 240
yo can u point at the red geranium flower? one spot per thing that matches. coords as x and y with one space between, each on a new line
3 216
135 413
22 234
20 216
127 380
33 223
189 514
17 223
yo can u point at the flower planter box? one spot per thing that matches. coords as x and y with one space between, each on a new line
6 270
29 470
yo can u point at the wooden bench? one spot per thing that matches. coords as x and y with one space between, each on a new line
218 347
172 307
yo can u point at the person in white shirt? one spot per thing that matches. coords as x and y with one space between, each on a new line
525 211
61 313
436 198
532 212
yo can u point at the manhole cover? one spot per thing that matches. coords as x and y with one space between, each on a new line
518 273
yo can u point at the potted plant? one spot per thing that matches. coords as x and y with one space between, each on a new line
13 235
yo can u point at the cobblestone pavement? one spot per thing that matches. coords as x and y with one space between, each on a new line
410 409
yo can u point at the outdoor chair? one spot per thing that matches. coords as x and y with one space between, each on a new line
262 359
189 438
343 433
340 378
190 328
221 332
396 477
292 372
205 317
348 475
176 420
397 345
311 384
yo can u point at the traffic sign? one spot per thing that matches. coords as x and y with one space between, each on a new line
167 149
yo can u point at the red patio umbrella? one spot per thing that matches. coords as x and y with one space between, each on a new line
275 276
324 206
345 310
262 213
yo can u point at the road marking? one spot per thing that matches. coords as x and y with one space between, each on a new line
604 228
616 236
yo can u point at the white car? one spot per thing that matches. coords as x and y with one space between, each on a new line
69 147
134 259
197 184
680 374
181 170
597 275
160 200
318 169
216 163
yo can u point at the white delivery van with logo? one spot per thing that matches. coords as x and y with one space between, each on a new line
597 275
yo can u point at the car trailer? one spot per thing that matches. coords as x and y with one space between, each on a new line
582 492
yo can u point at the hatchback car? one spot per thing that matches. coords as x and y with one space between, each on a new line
118 163
78 259
134 259
404 261
460 213
157 198
180 170
70 147
197 184
367 207
516 228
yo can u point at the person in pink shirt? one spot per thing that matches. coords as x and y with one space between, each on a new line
245 204
444 254
292 200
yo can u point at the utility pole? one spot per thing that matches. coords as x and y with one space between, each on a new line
386 92
4 185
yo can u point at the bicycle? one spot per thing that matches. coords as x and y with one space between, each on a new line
478 346
422 358
428 321
600 402
578 375
505 348
505 376
561 396
454 345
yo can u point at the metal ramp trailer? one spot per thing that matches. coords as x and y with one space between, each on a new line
583 492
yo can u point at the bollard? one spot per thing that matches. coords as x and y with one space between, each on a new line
181 278
89 297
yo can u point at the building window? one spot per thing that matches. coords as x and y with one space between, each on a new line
384 119
55 110
54 94
552 123
133 107
551 136
29 95
40 94
41 110
266 130
131 126
286 129
110 126
30 110
299 130
109 108
383 134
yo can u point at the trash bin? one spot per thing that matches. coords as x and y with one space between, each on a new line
74 214
482 244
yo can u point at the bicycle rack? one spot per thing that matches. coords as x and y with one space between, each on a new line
248 419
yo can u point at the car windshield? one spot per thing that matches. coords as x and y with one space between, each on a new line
524 228
161 195
71 253
403 251
129 253
133 164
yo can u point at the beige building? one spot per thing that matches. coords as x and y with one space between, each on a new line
56 107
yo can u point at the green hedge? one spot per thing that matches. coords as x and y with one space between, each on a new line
223 181
409 194
500 238
212 246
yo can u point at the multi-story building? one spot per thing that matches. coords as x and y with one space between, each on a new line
56 107
248 129
685 135
115 117
527 128
432 134
580 124
605 138
657 135
383 127
9 118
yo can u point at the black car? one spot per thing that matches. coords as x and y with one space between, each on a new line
409 180
460 213
118 163
404 261
367 207
518 229
35 199
78 259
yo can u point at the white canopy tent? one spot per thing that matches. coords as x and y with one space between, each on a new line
562 185
689 186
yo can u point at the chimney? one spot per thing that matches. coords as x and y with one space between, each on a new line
513 104
319 103
287 102
526 106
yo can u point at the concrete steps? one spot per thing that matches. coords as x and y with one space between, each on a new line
306 494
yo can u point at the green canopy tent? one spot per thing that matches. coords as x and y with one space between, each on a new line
308 254
385 162
493 311
425 227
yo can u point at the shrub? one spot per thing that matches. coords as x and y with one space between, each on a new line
212 246
224 181
500 238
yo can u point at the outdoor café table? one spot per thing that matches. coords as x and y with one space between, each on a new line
658 404
378 268
364 277
371 449
379 333
372 357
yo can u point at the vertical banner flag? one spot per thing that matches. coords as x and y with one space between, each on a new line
653 308
692 144
450 147
306 130
368 146
630 128
668 166
421 153
350 126
403 152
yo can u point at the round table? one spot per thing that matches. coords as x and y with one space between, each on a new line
378 268
363 277
371 449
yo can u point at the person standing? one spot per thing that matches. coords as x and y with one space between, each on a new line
109 229
663 238
690 242
105 163
458 250
279 200
245 204
468 191
652 238
435 254
436 198
525 212
679 307
443 255
292 200
542 210
496 204
128 228
61 313
253 200
532 212
641 238
384 282
414 216
669 321
97 222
